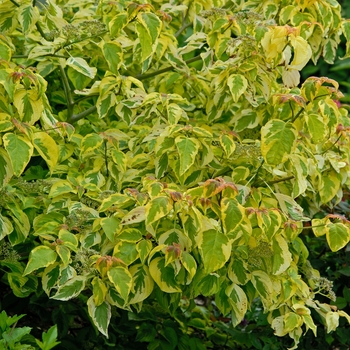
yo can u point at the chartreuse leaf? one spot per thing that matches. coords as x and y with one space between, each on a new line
39 257
69 239
239 303
188 149
237 271
71 289
19 149
143 283
215 249
338 235
5 51
145 41
61 187
100 315
47 148
278 140
163 275
330 185
157 208
28 15
121 279
237 84
110 226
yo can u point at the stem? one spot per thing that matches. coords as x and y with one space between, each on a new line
49 54
281 180
15 3
166 69
297 115
184 19
40 30
333 144
75 117
67 92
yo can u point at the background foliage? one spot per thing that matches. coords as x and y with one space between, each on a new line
167 175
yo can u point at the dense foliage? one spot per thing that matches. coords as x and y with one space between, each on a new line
157 153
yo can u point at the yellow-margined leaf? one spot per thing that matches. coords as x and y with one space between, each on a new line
39 257
99 291
29 105
81 66
100 315
189 263
28 15
121 279
264 286
117 23
316 126
5 227
278 141
90 144
47 148
239 303
157 208
227 144
237 84
188 149
282 257
163 275
113 54
20 150
215 249
143 283
338 235
6 170
231 214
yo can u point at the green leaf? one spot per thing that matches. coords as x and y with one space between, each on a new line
126 251
49 339
263 286
81 66
113 54
40 256
19 149
90 144
50 277
100 315
338 236
110 226
215 249
278 141
121 279
189 263
188 149
152 24
237 84
71 289
47 148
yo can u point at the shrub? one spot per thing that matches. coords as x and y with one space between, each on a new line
155 152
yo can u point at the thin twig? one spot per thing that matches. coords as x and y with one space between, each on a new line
67 92
166 69
75 117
